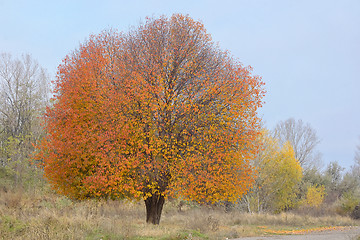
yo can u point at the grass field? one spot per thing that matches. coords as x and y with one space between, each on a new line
45 215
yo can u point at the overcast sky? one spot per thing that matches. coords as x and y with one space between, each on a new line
307 52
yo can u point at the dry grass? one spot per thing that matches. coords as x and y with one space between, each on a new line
48 216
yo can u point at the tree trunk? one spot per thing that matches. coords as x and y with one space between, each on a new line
154 206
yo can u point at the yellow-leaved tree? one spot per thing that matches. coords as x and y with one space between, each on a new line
278 176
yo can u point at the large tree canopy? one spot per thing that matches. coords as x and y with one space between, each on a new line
158 111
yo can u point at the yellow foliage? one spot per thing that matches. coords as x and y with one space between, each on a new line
315 195
279 173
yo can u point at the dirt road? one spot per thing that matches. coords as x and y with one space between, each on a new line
346 234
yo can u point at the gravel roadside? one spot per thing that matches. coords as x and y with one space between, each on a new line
345 234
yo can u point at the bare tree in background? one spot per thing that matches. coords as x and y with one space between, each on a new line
24 93
355 169
357 155
302 137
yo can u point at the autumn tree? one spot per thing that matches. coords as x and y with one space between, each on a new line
24 94
278 176
302 137
159 111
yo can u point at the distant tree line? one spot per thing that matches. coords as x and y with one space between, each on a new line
290 177
24 94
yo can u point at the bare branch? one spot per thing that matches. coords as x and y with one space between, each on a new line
302 137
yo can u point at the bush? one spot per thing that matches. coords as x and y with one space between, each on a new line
31 180
347 203
315 195
355 214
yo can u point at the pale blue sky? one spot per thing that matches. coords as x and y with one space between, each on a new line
308 52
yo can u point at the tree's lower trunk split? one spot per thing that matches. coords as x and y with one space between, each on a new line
154 206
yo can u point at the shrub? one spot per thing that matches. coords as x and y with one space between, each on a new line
315 195
347 203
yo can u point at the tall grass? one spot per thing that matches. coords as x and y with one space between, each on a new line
29 216
42 214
